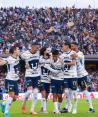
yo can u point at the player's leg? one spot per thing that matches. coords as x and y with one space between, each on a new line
60 92
73 93
89 101
84 85
44 94
55 95
55 101
34 100
8 104
75 102
67 96
27 94
11 87
43 101
59 101
68 100
35 84
47 90
3 103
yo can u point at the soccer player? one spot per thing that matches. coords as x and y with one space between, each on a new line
45 78
56 66
32 75
70 77
83 79
11 84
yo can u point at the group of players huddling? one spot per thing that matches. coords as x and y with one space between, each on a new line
61 71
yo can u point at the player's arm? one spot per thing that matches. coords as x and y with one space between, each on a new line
73 62
61 60
27 66
81 55
48 66
2 62
75 55
24 57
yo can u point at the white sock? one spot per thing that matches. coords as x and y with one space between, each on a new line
34 100
75 104
67 100
56 106
71 93
59 105
27 94
43 104
88 98
8 104
75 101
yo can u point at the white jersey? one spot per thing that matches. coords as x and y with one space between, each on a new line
81 71
45 73
13 68
70 71
56 69
33 61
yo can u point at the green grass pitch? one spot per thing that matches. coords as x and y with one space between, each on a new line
15 110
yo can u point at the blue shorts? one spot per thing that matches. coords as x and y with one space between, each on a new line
57 86
33 81
70 83
11 86
83 82
45 87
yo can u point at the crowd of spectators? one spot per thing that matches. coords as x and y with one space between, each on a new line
94 81
51 27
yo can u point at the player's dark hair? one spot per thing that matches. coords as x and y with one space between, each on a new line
67 43
55 52
42 50
75 43
12 49
5 48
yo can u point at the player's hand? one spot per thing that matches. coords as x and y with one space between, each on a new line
62 62
27 66
74 56
2 62
42 65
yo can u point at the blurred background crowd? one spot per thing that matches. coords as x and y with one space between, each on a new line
50 27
